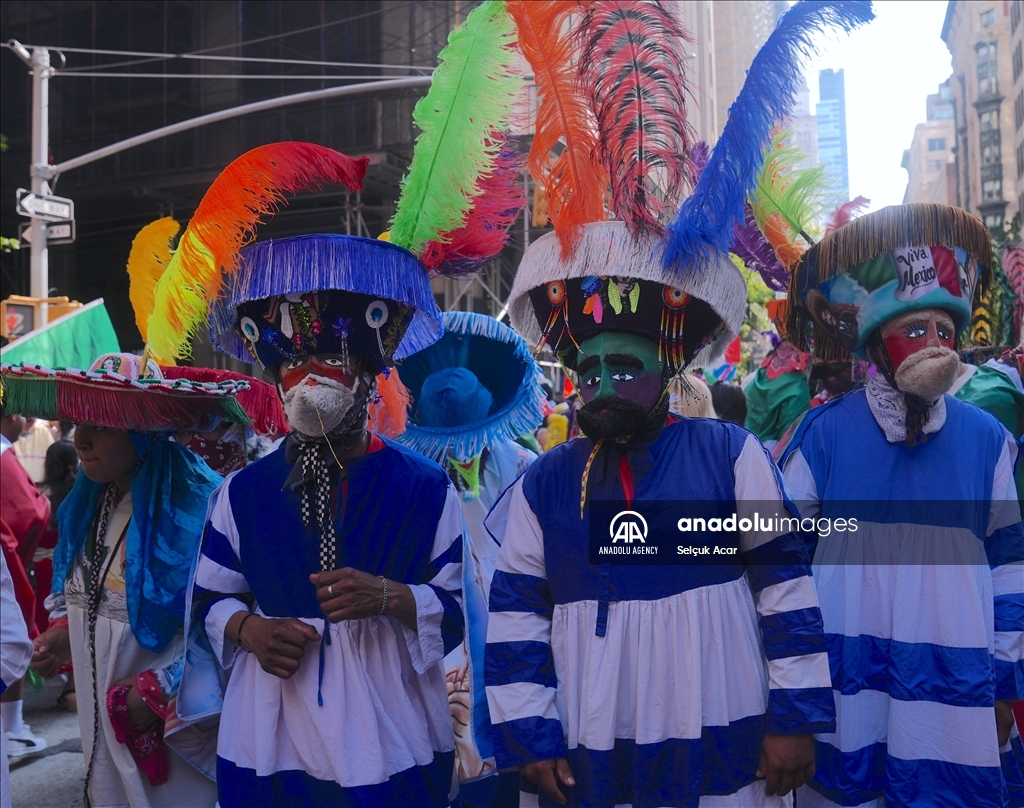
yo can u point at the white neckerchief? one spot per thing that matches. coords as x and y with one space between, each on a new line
889 408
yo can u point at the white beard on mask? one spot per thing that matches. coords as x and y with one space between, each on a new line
317 405
928 373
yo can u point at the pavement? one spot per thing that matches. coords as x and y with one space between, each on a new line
56 776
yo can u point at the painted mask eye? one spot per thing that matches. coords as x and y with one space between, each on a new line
249 330
377 314
556 292
916 330
623 376
333 362
675 299
294 364
944 333
593 381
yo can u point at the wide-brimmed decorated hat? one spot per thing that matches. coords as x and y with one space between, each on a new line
611 89
615 282
354 296
475 387
115 393
347 295
259 399
898 259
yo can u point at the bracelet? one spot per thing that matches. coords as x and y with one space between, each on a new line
384 602
239 636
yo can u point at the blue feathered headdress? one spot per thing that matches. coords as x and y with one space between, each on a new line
706 219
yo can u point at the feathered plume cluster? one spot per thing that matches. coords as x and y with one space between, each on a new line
463 189
150 255
575 180
631 66
846 213
706 220
251 187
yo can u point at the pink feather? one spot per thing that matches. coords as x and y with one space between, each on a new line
499 199
631 69
846 213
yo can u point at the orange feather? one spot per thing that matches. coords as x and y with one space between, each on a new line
779 235
389 414
251 187
576 180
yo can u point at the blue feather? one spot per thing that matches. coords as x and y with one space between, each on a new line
706 219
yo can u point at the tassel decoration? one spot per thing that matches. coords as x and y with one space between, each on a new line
575 180
251 187
706 220
632 68
472 95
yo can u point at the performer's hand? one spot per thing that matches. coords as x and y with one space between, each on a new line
50 650
1004 721
138 711
787 762
278 642
350 594
547 774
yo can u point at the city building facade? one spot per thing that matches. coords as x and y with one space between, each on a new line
931 170
978 37
831 125
1017 66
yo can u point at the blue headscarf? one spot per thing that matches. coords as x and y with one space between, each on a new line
171 487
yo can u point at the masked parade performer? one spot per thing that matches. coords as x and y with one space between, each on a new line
612 683
127 533
329 582
779 392
922 604
474 392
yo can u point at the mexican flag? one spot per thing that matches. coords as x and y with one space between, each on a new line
75 340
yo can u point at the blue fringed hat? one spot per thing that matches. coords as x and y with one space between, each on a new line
326 293
476 386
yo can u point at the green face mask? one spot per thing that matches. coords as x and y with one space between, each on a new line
620 365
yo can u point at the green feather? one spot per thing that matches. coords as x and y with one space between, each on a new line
799 195
471 98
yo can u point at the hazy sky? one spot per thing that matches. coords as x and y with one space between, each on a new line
890 66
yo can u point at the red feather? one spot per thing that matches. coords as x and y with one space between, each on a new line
632 69
846 213
575 181
499 198
1013 269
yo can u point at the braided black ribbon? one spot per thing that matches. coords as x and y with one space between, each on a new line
316 501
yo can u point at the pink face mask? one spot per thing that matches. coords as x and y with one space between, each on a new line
910 333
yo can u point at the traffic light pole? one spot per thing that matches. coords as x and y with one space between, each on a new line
39 61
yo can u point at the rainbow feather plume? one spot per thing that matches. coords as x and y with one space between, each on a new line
499 199
846 213
706 219
471 97
150 255
575 180
786 199
251 187
632 68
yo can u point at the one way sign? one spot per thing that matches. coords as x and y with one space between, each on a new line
51 208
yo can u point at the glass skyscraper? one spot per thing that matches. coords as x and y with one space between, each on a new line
831 114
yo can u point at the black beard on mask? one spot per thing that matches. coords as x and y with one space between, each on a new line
619 419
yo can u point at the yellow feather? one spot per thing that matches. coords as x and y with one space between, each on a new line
150 255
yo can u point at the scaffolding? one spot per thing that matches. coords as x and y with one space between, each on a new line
211 56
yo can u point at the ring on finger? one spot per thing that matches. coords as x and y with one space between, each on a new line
330 590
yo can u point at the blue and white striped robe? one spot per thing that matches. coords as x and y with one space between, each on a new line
923 605
383 735
657 682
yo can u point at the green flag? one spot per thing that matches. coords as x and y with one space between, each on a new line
75 340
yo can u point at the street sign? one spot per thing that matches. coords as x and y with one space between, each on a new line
51 208
56 233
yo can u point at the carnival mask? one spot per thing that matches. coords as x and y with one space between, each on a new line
920 347
620 381
323 396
